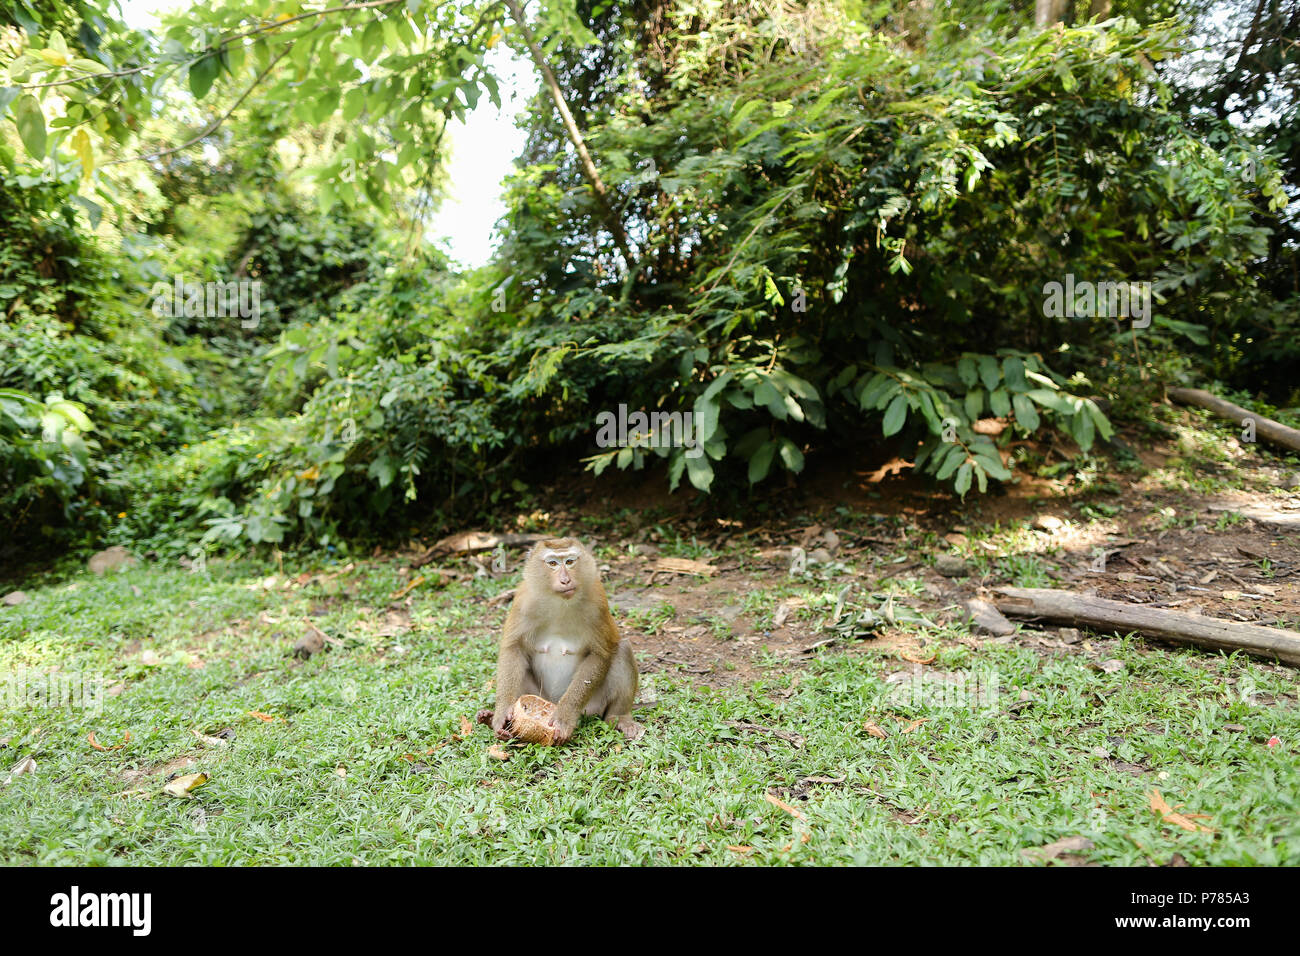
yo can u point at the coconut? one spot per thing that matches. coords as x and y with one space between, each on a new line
530 720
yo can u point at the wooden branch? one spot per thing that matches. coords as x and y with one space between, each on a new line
575 136
1100 614
472 542
1273 432
211 127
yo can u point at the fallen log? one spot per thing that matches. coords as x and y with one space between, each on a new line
1100 614
1266 428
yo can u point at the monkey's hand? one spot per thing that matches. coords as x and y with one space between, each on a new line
563 726
501 722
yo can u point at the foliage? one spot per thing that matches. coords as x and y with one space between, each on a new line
843 224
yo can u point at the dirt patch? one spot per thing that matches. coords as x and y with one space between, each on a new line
1231 555
134 779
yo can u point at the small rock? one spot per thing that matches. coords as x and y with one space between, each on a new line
15 598
1293 482
832 541
820 556
1234 728
1049 523
951 566
1069 635
645 550
955 539
111 559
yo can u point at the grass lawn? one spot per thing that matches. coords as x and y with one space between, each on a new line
364 759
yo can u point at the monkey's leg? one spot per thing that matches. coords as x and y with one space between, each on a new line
615 700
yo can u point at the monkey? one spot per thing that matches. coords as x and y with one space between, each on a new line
560 643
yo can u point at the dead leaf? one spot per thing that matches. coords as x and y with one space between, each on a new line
497 753
98 746
186 785
1051 851
26 765
401 593
742 850
874 729
210 741
778 802
466 728
263 717
1232 595
341 771
917 660
1184 820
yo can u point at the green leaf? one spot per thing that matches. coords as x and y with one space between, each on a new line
1000 402
1026 414
202 74
700 472
895 415
966 371
952 457
993 465
382 470
761 462
989 372
1082 429
31 125
961 484
7 95
1013 372
791 456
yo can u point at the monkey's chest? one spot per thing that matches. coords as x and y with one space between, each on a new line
555 658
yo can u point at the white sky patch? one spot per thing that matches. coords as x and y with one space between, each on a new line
482 149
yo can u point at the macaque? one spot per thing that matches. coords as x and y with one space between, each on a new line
561 643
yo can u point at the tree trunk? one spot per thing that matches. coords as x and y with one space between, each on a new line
1048 12
575 136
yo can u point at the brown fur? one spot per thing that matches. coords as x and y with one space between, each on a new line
604 679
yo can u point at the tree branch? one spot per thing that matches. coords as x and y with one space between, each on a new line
575 137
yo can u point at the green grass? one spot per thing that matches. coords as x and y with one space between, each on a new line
968 786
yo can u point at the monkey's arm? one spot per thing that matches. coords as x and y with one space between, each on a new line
588 677
512 666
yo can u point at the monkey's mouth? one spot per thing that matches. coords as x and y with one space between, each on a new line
567 592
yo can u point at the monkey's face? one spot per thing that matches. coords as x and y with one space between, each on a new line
562 570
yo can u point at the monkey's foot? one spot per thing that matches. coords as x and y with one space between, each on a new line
629 728
484 717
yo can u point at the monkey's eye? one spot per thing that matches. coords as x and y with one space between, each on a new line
568 562
552 563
